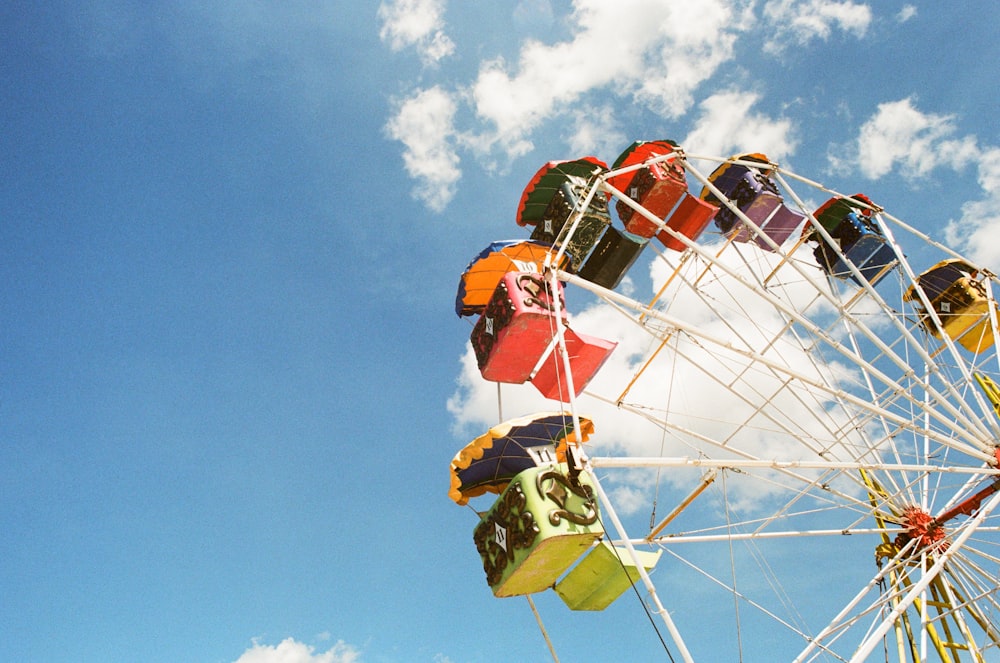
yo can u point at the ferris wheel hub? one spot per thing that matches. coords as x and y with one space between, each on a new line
920 526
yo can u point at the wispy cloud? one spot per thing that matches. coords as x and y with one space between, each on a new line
652 52
795 23
977 229
644 52
418 24
899 135
292 651
906 13
530 13
727 125
424 123
595 130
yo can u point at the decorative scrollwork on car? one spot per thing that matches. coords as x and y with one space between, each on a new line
539 291
510 527
521 528
557 487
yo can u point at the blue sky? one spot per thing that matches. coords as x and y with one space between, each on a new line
231 377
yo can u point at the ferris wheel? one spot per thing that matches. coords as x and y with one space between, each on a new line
805 404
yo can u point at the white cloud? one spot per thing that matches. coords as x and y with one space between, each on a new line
424 123
595 131
417 23
291 651
697 39
655 52
906 13
632 496
989 171
975 232
795 23
899 135
727 126
647 52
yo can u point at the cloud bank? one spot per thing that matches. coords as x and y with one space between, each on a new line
797 23
648 54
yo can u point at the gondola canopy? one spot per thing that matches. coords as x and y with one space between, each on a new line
489 462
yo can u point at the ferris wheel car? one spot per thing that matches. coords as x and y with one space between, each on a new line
516 327
612 257
658 186
959 303
661 188
857 240
756 196
602 576
586 356
480 278
690 218
523 548
548 180
564 211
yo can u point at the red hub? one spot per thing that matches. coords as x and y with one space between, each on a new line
928 531
920 526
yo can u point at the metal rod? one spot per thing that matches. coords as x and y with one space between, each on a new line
683 461
706 481
541 627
